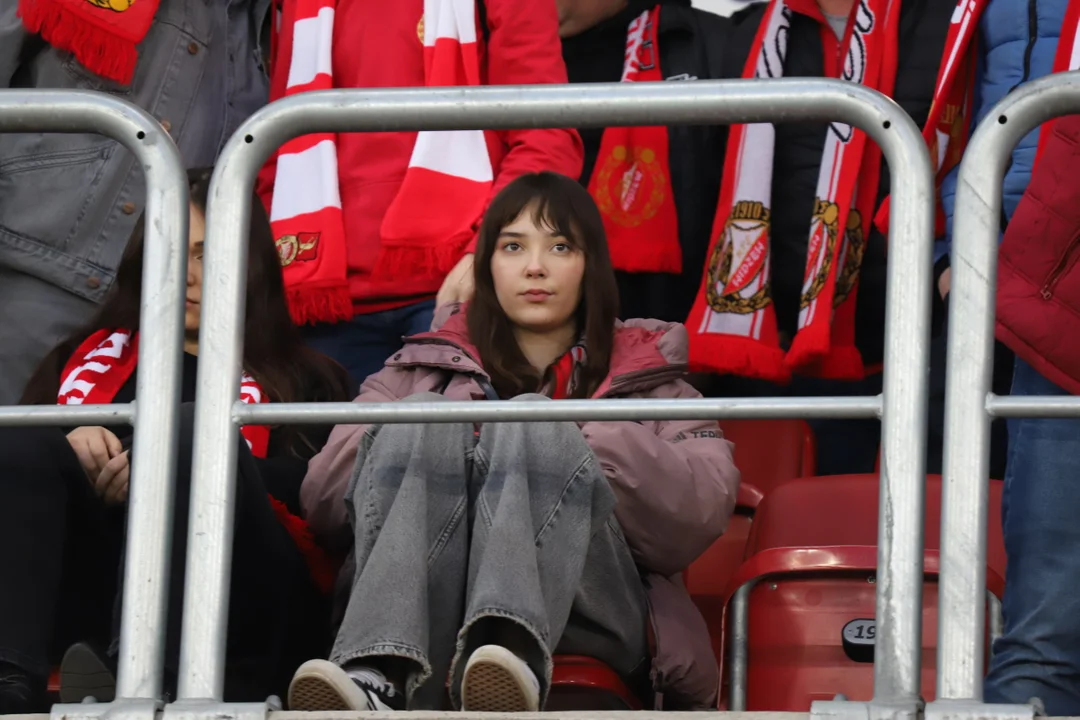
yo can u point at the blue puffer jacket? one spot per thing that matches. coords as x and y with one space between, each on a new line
1018 40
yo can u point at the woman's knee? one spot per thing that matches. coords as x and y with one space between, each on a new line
33 448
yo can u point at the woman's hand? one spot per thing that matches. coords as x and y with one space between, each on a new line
112 482
95 446
458 285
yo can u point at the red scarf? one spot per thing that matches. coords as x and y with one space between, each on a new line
563 372
441 199
106 360
631 182
733 322
101 34
1066 58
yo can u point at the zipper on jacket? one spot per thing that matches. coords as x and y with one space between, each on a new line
1033 35
1060 267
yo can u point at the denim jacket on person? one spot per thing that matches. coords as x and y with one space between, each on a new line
68 202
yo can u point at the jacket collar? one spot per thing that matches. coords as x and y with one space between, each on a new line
645 353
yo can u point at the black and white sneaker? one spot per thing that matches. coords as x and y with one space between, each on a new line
319 685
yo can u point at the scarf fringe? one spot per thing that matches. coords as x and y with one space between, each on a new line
742 356
100 52
655 258
323 570
426 262
320 303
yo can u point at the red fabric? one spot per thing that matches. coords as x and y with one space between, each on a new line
631 182
1038 298
106 360
102 34
377 45
431 221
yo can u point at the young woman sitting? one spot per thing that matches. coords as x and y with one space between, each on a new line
63 493
482 550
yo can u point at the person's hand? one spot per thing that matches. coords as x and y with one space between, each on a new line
458 285
944 283
95 446
112 483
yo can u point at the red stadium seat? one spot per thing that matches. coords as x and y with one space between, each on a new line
812 557
768 453
582 683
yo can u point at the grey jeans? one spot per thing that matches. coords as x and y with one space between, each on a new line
507 538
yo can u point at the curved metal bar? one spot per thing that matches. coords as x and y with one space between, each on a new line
149 529
965 494
905 391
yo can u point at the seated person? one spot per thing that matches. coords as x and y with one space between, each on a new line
63 496
482 550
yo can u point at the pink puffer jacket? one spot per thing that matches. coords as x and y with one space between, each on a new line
674 481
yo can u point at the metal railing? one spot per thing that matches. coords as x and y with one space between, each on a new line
970 405
150 503
902 406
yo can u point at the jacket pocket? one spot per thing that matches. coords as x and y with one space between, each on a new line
49 185
1064 264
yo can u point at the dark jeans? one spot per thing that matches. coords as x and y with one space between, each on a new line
1039 653
61 564
364 343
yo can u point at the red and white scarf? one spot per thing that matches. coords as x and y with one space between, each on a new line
631 182
1066 58
441 199
733 322
101 365
103 35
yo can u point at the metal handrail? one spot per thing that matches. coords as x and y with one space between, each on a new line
706 102
970 405
150 502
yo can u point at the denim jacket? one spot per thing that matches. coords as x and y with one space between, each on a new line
68 202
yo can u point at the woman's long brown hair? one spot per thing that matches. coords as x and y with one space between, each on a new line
563 206
274 352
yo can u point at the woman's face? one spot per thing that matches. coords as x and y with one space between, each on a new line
537 275
196 234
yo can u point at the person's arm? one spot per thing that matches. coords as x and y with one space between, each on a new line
322 494
523 48
675 484
13 37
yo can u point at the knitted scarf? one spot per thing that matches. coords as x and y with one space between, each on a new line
733 322
106 360
1066 58
101 34
631 182
441 199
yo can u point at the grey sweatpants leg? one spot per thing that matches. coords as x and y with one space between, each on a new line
462 542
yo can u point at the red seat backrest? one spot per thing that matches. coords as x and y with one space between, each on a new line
768 453
842 510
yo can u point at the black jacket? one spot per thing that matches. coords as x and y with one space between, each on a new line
690 43
923 28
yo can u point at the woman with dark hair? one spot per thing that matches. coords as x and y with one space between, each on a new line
64 494
481 551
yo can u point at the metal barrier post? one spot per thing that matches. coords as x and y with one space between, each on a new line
969 404
905 393
149 529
